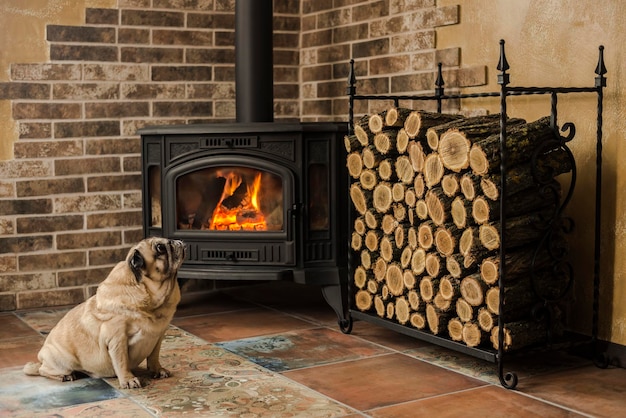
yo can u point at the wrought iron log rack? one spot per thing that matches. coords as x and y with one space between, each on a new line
507 379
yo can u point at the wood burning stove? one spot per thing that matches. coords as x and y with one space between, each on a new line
253 201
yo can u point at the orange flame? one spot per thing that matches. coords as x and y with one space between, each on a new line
246 216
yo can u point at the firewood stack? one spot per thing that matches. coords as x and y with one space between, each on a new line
426 241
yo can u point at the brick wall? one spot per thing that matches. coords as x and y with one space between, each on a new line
70 197
393 43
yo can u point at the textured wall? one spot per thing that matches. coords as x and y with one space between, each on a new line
556 43
70 179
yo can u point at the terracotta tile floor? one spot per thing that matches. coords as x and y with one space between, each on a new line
274 350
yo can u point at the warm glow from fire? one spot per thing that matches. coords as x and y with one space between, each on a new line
242 211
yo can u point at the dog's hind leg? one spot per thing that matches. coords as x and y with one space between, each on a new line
64 375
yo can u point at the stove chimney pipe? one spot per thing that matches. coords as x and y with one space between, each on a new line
254 77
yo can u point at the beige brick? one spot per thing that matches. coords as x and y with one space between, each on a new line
132 200
423 61
7 189
413 42
15 169
87 203
48 298
403 6
24 282
34 130
43 72
8 264
47 149
450 57
135 91
119 72
7 226
85 91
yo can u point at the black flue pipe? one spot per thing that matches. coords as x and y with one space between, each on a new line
254 78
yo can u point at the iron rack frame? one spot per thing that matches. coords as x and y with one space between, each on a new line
507 379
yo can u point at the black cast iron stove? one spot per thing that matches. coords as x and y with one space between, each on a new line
255 199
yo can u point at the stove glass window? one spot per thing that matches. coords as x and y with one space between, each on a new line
230 198
154 191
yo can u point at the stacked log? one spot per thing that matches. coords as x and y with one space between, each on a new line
426 189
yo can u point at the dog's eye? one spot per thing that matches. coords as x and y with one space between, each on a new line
161 248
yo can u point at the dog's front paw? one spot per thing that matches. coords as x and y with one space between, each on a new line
161 373
131 382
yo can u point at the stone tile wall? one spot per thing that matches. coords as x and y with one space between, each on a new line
70 199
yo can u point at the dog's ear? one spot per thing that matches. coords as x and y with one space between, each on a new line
136 264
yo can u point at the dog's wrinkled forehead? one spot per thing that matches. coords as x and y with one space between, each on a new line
151 253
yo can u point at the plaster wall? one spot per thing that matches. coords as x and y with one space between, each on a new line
555 43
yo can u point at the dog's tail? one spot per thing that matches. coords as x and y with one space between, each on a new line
32 368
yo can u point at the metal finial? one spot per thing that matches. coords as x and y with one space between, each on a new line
600 69
439 82
503 65
351 90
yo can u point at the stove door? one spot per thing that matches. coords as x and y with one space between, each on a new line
232 210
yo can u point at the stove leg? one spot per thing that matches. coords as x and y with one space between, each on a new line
334 297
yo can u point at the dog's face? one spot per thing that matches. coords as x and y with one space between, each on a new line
156 259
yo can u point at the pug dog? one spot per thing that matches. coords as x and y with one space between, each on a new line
123 324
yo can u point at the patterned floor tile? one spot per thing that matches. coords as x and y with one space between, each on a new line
211 381
37 395
304 348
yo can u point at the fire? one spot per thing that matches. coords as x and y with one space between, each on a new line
238 207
